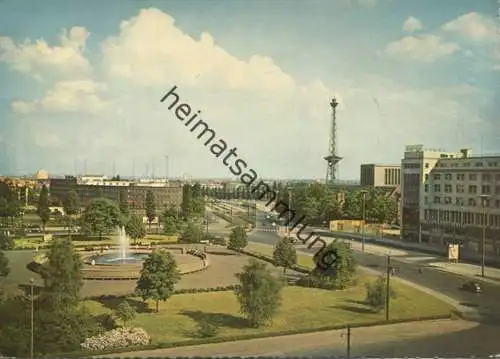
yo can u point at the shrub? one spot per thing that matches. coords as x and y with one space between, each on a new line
207 329
376 293
117 338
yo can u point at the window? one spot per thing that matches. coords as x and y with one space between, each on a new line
437 188
460 177
486 177
437 199
460 188
447 200
497 177
497 190
426 200
448 188
479 164
437 177
447 176
472 202
497 203
426 188
485 189
472 177
459 201
427 165
472 189
426 177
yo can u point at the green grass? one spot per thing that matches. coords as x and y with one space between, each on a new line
302 308
267 250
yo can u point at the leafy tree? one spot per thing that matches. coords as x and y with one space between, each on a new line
4 265
170 211
135 228
238 238
123 202
311 209
192 234
330 208
159 275
150 206
43 209
9 204
259 293
187 201
125 312
335 266
285 254
376 293
170 227
71 203
352 206
6 242
100 216
62 274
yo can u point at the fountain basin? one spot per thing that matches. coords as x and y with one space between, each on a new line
113 259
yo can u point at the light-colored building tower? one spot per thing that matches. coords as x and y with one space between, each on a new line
451 197
376 175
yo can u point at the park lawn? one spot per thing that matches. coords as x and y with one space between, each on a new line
267 250
302 308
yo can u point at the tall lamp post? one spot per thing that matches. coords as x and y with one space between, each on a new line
289 210
32 283
363 194
484 203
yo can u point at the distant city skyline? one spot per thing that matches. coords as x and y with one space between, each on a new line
85 82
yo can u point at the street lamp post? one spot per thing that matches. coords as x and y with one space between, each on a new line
32 282
363 193
484 199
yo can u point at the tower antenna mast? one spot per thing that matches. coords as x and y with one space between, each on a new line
332 159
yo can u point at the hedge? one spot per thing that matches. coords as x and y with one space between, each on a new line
297 268
200 341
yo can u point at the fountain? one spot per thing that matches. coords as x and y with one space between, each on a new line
123 256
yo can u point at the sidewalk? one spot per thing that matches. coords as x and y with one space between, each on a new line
334 340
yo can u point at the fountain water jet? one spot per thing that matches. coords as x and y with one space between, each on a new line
123 243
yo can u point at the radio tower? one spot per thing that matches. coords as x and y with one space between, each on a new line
332 159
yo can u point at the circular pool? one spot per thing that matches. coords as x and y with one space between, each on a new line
116 259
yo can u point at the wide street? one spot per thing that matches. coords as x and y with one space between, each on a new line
481 340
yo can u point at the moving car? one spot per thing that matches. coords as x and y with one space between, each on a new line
472 287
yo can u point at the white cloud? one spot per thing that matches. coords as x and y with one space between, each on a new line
474 26
412 24
47 140
425 48
279 126
80 96
39 59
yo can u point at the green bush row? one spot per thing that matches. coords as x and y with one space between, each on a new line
297 268
212 340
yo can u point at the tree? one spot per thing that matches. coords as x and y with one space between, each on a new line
43 209
192 234
285 254
135 228
170 227
4 265
159 275
9 204
125 312
352 206
335 265
71 203
62 274
6 241
311 209
187 199
376 293
123 202
238 238
100 216
259 293
150 207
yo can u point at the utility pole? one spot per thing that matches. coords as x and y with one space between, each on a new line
348 349
484 202
388 287
32 331
363 193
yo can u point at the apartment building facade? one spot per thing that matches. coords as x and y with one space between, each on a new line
91 187
376 175
451 197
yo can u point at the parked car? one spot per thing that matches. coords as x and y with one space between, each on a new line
472 287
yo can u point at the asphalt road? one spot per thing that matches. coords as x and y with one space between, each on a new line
482 340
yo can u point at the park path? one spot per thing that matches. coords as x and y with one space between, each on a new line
333 339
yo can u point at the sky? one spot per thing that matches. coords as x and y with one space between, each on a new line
81 83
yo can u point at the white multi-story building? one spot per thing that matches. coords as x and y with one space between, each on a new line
450 197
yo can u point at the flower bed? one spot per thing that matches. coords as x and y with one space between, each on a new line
116 339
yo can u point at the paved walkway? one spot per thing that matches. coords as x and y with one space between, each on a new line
335 339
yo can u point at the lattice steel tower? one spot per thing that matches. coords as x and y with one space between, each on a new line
332 159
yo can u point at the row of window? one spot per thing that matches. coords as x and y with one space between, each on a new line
460 188
462 218
485 177
460 201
